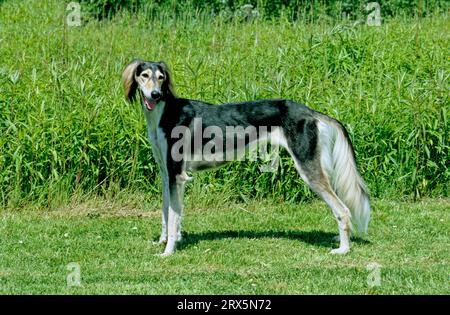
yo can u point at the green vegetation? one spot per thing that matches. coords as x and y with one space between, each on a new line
66 129
267 9
238 248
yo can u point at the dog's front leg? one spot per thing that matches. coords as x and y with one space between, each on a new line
165 186
165 207
176 192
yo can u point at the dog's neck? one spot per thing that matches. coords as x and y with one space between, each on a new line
154 116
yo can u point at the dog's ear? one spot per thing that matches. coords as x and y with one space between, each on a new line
167 86
129 83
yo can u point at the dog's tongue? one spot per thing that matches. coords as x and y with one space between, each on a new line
150 104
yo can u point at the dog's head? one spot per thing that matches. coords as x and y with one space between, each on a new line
150 79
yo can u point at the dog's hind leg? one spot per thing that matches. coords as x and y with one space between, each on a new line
304 148
314 176
342 215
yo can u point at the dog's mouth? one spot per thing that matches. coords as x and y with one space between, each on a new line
150 104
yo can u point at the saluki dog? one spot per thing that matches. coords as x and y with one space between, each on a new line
318 144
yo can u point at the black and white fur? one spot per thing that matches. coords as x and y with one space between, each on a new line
319 146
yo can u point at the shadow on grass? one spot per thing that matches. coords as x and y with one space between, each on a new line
317 238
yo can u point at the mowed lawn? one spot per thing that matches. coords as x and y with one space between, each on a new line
257 247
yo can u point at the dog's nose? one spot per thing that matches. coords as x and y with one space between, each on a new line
156 94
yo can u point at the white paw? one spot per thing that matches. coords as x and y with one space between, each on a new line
340 250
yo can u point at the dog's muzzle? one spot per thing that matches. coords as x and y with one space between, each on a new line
150 103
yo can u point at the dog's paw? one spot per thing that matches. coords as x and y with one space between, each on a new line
340 250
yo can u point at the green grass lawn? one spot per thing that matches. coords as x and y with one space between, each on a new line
258 247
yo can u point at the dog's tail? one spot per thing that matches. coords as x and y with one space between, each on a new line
338 160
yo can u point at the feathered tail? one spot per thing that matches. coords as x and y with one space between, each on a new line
338 159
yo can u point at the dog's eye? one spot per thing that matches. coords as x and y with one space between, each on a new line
160 77
145 75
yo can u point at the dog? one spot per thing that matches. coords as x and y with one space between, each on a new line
318 144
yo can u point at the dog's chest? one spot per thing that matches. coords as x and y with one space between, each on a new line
156 135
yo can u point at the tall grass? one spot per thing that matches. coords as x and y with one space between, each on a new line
66 129
267 9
